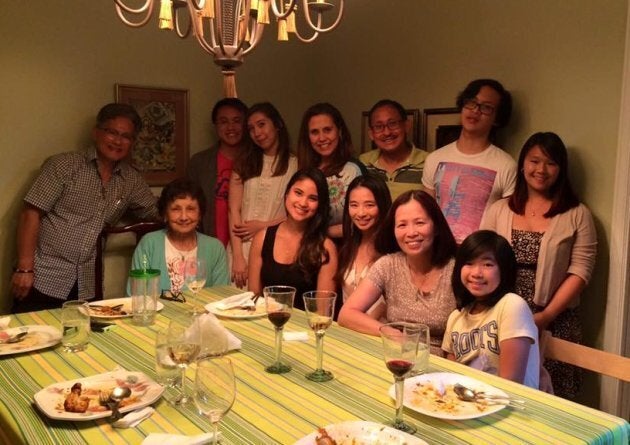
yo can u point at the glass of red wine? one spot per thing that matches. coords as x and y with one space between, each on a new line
400 348
279 304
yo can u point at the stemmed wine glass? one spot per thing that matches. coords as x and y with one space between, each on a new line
400 348
184 343
215 389
279 304
319 306
195 274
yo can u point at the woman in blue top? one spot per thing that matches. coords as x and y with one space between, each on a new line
181 205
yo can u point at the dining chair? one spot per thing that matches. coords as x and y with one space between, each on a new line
591 359
138 229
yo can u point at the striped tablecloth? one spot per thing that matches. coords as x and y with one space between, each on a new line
272 409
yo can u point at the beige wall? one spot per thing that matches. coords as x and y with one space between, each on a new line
562 61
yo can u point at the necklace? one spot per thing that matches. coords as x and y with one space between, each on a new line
421 293
183 253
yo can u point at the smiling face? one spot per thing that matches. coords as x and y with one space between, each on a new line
481 276
540 171
476 122
363 209
413 229
183 215
263 132
323 135
113 139
388 129
230 123
302 200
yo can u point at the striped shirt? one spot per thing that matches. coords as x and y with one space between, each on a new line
408 175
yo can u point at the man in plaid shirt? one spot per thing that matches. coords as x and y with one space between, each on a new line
75 195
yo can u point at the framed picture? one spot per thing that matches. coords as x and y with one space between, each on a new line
440 126
413 114
161 148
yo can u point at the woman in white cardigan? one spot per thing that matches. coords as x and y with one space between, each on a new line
555 242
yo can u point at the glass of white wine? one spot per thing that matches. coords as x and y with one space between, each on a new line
320 307
184 344
195 274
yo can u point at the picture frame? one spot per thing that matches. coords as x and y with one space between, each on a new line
412 113
161 149
440 126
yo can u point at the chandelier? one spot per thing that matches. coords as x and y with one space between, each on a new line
230 29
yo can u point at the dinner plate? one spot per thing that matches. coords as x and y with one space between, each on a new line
360 432
144 391
126 302
422 394
38 337
237 313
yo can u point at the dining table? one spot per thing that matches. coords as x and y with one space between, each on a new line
274 408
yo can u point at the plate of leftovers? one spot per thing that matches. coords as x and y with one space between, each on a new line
246 312
359 432
28 338
433 395
80 399
114 308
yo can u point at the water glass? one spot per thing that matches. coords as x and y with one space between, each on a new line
75 325
424 349
144 285
166 370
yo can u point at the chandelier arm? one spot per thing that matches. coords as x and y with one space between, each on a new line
255 37
199 35
278 11
306 40
318 28
120 7
178 30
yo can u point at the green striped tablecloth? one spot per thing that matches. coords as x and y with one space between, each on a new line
269 408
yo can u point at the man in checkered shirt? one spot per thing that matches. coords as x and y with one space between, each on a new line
75 195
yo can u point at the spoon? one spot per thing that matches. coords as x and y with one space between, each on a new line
15 338
470 395
117 395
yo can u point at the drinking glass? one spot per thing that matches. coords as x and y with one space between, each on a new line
424 349
195 274
75 325
319 306
400 349
279 304
166 370
215 389
184 343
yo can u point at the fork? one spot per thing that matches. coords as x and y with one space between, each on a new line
254 300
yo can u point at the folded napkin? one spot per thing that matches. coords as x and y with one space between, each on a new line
176 439
215 339
243 299
295 335
133 418
4 322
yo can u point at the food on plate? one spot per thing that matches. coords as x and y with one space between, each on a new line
437 397
75 402
324 438
107 311
30 340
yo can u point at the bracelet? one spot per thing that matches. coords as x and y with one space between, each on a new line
17 270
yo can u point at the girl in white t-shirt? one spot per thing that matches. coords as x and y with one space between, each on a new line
492 328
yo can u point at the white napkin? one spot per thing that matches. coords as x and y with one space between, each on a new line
176 439
295 335
133 418
4 322
243 299
215 339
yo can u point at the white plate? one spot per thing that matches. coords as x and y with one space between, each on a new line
144 391
126 302
38 337
237 313
363 433
421 397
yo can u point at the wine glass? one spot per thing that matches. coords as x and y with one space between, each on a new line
400 348
215 389
279 304
184 344
195 274
319 306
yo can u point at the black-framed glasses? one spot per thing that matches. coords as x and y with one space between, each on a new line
170 296
391 125
112 134
472 104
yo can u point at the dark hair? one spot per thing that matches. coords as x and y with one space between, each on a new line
249 163
504 111
444 245
307 156
181 188
475 245
312 253
352 237
114 110
561 193
232 102
387 103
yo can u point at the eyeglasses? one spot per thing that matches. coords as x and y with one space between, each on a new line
392 125
112 134
472 104
170 296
